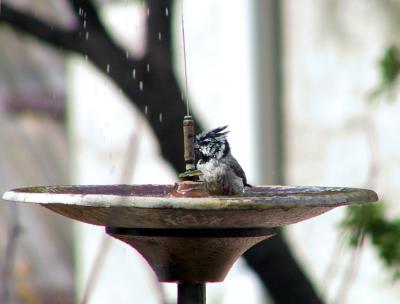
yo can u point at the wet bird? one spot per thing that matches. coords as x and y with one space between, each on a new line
221 172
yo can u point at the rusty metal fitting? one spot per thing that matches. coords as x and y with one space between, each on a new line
188 141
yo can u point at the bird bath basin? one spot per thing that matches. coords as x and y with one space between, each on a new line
189 240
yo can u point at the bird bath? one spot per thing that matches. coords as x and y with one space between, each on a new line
189 239
187 235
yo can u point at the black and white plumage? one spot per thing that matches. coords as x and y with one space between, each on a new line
222 173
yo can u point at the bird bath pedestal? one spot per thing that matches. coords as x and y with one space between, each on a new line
189 240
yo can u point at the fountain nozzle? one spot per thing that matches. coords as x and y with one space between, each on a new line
188 142
191 172
190 186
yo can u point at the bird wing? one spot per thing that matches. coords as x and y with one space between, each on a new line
239 171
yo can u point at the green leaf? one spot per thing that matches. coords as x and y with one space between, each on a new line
389 70
369 221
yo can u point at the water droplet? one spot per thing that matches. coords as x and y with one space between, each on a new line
159 36
84 24
146 109
87 35
148 68
108 68
86 57
166 12
134 73
127 54
141 85
160 117
80 11
148 11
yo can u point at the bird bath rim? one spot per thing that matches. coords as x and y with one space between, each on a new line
150 206
157 196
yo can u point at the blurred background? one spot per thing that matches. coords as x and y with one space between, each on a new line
91 93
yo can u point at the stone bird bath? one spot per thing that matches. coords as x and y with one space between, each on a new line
190 238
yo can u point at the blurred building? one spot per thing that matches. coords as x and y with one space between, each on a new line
36 247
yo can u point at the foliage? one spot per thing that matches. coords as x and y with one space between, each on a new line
369 221
389 70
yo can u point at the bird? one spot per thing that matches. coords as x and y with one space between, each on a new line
221 172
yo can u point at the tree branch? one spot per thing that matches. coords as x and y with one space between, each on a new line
97 38
280 273
55 36
84 7
85 11
159 33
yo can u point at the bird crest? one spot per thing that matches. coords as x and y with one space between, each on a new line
217 134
